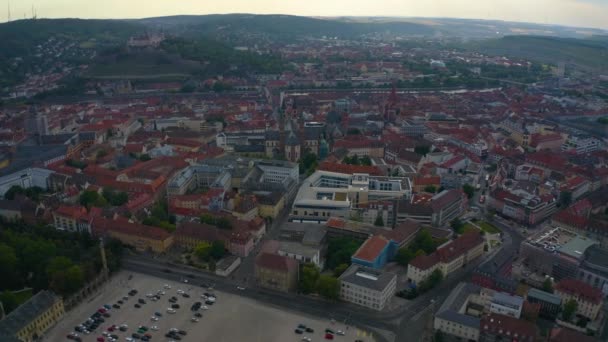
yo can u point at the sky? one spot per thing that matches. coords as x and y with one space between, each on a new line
582 13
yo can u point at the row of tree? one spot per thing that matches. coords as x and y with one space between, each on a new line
108 197
44 258
312 281
423 244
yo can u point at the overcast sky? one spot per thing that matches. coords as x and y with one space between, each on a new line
584 13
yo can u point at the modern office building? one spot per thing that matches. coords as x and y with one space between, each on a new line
330 194
367 287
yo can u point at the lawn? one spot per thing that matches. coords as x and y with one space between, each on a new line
23 296
469 228
488 228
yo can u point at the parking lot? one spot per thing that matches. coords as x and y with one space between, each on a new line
230 318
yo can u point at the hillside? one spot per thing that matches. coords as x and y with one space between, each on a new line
37 46
280 26
590 54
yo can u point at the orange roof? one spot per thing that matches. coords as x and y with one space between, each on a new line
350 169
335 222
371 248
427 180
580 289
122 225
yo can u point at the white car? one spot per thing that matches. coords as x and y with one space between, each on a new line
205 307
154 318
185 281
340 333
194 319
154 328
171 311
240 288
306 339
173 330
180 291
129 339
167 286
124 326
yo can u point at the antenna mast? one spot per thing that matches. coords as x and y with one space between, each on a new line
9 11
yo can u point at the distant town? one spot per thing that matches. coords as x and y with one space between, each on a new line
381 187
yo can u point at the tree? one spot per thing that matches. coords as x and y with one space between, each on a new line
61 272
340 251
145 157
92 199
438 336
203 251
569 309
469 190
430 188
365 160
8 265
217 249
74 278
379 221
422 150
13 191
340 269
457 225
565 198
308 163
9 301
548 285
223 223
309 276
404 256
328 287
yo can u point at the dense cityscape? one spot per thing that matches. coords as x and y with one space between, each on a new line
303 180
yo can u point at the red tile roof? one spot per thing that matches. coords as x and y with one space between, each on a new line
450 251
335 222
75 212
439 202
403 232
102 225
350 169
508 327
434 180
567 335
424 262
371 248
580 289
276 262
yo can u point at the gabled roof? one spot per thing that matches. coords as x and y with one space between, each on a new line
276 262
371 249
580 289
500 325
26 313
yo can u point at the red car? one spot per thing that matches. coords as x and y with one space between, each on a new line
329 336
101 310
112 328
100 339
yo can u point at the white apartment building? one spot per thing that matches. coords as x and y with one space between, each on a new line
506 304
367 287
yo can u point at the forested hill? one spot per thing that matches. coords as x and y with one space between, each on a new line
589 53
281 26
21 36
